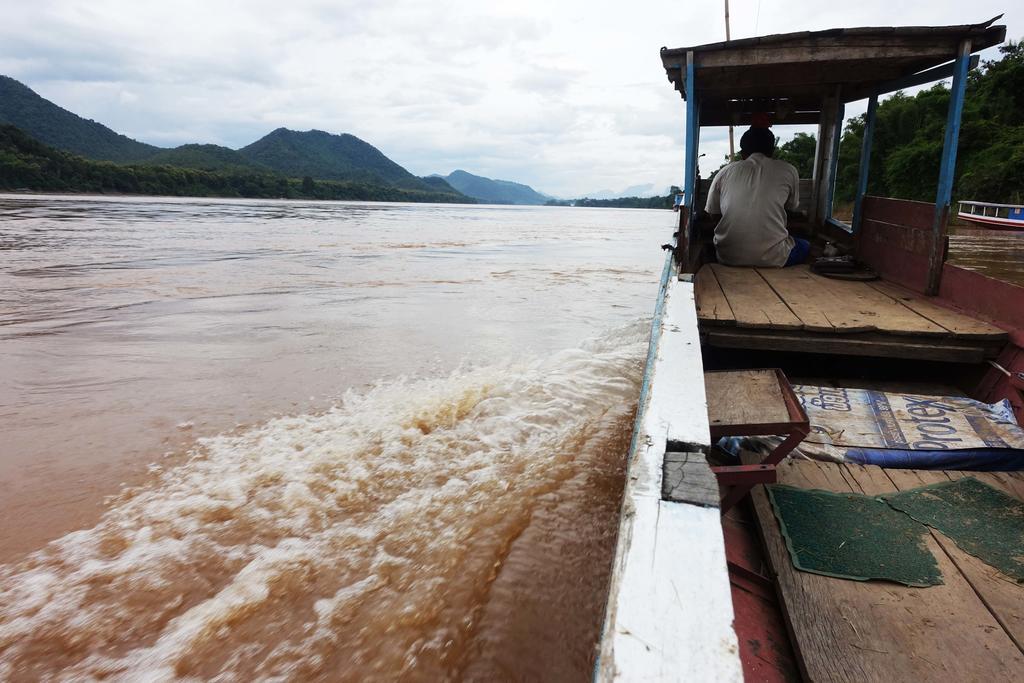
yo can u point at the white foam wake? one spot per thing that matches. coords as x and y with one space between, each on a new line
361 539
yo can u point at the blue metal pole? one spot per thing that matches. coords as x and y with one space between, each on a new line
686 235
947 167
865 163
692 129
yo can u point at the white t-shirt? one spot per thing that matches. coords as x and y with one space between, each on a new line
752 195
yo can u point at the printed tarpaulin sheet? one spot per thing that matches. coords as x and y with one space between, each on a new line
908 430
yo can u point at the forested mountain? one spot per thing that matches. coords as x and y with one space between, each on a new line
27 164
322 165
45 121
205 157
494 191
325 156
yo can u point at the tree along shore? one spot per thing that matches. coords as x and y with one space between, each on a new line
907 145
26 164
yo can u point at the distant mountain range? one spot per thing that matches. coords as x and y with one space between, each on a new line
344 165
314 154
490 191
646 190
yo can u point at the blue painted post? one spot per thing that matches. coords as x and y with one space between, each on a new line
833 163
692 128
865 162
947 167
690 177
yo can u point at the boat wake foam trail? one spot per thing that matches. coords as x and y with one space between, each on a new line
362 539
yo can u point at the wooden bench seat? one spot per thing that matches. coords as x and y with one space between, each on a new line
797 310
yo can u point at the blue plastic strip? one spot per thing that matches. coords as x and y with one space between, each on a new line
834 162
981 459
865 162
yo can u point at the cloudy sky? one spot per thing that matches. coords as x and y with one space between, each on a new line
565 95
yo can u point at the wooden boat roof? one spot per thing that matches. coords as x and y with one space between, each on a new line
789 74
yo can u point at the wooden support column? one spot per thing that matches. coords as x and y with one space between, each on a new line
947 168
833 159
828 146
865 163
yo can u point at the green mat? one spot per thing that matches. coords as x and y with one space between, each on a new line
983 521
851 536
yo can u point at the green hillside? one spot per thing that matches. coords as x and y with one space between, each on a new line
494 191
45 121
206 157
317 154
27 164
907 146
319 164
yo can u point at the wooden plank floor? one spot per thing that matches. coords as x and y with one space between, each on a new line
971 628
797 299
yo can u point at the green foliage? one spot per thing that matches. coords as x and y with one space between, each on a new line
206 157
52 125
907 145
800 152
621 202
26 164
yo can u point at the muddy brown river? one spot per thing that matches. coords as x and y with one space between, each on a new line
280 440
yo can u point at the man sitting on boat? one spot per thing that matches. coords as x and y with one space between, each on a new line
752 196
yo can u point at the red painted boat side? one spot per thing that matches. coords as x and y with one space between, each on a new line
765 650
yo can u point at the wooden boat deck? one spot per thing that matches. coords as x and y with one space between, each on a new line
793 309
969 628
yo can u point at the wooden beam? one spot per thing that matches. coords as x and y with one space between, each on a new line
823 160
816 50
932 75
720 117
833 160
880 346
687 478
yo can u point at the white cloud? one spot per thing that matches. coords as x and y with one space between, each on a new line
566 96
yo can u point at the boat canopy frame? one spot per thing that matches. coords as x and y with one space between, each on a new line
807 78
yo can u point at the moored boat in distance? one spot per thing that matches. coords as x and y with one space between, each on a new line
997 216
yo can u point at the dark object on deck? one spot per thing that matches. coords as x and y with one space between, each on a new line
981 520
852 536
843 268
